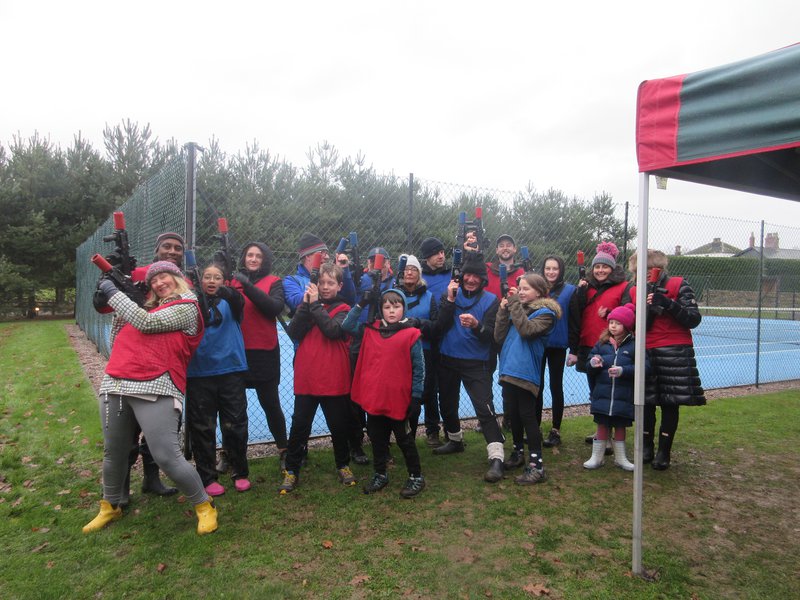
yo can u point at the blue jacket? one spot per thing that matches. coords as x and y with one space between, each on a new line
420 304
559 337
294 288
613 396
437 280
522 351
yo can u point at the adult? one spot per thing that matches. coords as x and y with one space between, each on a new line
170 248
598 294
422 305
672 313
562 344
294 286
263 304
467 316
436 272
145 384
506 250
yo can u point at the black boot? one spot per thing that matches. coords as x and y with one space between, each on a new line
661 461
451 447
152 482
495 472
647 448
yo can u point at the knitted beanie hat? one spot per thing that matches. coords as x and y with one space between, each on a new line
411 261
430 246
309 244
606 254
625 315
474 264
162 266
169 235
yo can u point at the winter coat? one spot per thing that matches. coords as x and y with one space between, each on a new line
493 274
613 396
590 299
674 378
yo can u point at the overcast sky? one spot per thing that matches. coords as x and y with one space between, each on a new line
490 94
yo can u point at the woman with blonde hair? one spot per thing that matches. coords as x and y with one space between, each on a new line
145 383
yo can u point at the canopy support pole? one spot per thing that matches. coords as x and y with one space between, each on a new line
639 387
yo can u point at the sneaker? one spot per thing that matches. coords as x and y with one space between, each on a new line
359 456
289 482
515 460
377 482
215 489
413 486
530 476
242 485
433 440
346 476
553 439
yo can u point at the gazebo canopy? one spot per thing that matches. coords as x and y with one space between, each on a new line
736 126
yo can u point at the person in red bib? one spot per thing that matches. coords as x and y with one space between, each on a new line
672 313
598 294
321 374
388 381
145 383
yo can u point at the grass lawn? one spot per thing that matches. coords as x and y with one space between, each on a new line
722 522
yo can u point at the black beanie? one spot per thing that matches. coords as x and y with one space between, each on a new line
474 264
430 246
309 244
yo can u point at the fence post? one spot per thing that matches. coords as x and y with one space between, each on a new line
760 291
410 233
625 241
191 193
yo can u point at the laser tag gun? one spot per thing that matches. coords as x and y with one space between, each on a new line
121 257
652 288
526 259
224 255
503 272
401 269
475 226
581 266
375 292
341 248
316 261
458 263
122 281
193 271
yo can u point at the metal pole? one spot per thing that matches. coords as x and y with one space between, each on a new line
625 241
191 194
410 232
638 386
760 289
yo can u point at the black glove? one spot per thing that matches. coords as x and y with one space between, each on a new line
135 291
661 300
365 299
99 300
241 278
413 322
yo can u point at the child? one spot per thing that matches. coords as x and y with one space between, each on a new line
215 385
524 321
389 379
611 364
321 374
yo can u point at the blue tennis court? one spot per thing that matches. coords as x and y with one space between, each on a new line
726 357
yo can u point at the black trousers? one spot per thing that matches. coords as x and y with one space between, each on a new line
555 359
337 414
380 428
207 397
430 400
476 375
265 378
669 419
521 404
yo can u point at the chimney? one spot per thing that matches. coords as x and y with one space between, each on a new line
771 242
716 245
677 250
752 240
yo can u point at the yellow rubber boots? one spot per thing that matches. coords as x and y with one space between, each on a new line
206 517
107 514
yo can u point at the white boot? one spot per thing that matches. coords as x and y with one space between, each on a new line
619 457
598 452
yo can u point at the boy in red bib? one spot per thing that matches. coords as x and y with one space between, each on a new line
390 372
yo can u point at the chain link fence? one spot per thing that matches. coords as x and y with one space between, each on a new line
748 300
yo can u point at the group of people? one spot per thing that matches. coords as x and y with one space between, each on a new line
372 349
